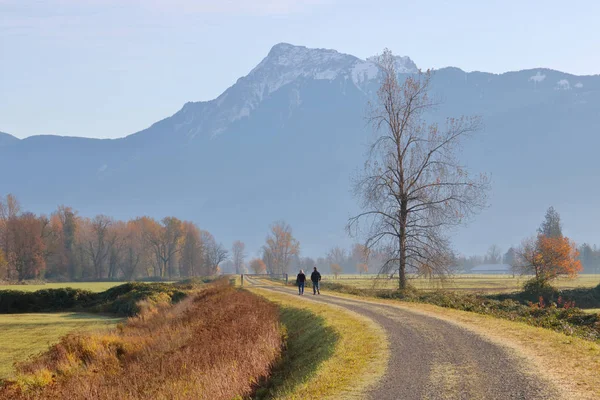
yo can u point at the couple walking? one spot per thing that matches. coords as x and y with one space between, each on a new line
315 277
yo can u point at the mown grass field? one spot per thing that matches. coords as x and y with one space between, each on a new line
24 335
475 283
91 286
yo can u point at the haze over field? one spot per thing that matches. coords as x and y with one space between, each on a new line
283 141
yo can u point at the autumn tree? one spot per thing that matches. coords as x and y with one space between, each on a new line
258 266
117 245
280 247
3 265
9 208
26 246
336 269
360 258
135 250
413 187
362 268
95 238
549 257
165 239
237 254
191 256
64 246
64 223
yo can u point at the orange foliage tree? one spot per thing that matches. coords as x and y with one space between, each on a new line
360 255
549 257
336 269
27 249
3 264
258 266
362 268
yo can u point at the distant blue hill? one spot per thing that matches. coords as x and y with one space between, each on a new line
283 142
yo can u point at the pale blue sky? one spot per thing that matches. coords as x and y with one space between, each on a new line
108 68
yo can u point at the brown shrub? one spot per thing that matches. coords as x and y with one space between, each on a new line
215 345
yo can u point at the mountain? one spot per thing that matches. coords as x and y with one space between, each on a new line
284 141
6 139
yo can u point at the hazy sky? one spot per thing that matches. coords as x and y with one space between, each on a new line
108 68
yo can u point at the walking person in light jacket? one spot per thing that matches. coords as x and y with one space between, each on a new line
300 279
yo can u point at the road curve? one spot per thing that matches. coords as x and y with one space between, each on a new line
433 359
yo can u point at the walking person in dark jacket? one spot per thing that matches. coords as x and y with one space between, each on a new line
300 279
315 277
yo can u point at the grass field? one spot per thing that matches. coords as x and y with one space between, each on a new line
486 283
331 353
24 335
91 286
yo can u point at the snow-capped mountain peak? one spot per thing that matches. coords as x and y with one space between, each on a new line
284 64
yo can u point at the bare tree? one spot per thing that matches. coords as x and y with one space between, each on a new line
96 242
165 240
338 256
413 188
494 255
280 247
215 254
238 255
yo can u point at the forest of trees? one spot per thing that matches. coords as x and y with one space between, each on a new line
65 247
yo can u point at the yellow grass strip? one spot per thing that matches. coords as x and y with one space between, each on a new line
356 350
26 335
91 286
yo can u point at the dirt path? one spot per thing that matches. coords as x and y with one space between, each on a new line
434 359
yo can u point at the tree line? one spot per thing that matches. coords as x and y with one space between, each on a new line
587 255
66 246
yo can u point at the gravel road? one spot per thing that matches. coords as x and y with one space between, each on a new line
434 359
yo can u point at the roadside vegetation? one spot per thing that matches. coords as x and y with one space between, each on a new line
122 300
32 286
474 283
559 315
216 344
330 353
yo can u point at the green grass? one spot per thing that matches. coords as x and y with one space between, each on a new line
466 282
592 310
331 353
25 335
91 286
309 342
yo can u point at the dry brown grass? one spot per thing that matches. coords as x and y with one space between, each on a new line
215 345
